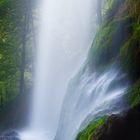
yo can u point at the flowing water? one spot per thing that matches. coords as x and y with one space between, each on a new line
90 96
66 32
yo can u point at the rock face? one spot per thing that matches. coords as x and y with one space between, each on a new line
126 127
9 135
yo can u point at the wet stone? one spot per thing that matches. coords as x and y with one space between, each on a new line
9 135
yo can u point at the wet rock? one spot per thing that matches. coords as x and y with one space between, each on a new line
126 127
10 135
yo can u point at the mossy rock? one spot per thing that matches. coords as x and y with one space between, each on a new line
114 8
134 9
133 95
88 133
108 41
130 54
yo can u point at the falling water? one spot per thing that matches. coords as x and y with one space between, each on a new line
91 95
66 32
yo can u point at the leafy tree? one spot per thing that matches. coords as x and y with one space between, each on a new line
15 40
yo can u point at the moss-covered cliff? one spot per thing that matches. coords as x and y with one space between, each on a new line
118 39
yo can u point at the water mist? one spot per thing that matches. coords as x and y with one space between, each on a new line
60 110
66 32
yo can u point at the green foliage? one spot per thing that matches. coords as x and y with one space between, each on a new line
8 91
12 19
88 133
8 54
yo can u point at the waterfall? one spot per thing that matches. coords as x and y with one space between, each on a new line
91 95
62 107
65 34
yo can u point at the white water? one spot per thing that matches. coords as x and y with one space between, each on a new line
66 32
90 96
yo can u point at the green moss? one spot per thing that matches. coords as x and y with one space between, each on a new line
107 7
134 94
133 9
108 41
88 133
101 44
130 53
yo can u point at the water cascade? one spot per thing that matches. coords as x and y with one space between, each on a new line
60 110
91 95
66 32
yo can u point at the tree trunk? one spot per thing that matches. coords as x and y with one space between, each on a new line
23 51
